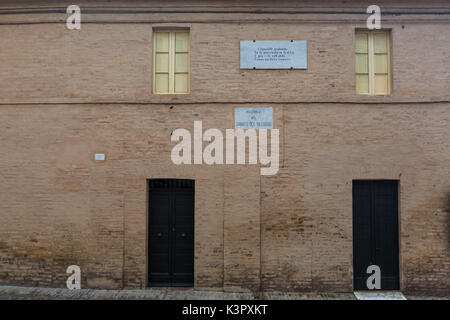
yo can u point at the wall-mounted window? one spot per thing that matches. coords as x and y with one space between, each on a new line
170 61
372 51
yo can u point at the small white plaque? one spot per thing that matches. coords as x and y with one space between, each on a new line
276 54
99 157
253 118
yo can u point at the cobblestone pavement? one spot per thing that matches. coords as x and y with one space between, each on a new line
37 293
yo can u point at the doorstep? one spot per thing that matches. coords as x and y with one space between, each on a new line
379 295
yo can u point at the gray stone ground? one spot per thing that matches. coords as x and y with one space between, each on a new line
38 293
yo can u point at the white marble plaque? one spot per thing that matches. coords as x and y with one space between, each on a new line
273 54
99 157
253 118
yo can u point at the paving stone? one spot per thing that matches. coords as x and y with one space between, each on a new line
36 293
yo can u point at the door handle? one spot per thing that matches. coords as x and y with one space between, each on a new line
183 235
159 234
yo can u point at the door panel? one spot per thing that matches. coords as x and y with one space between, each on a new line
375 232
362 234
386 228
171 233
159 237
183 237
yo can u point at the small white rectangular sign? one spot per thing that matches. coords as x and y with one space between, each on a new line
253 118
99 157
273 54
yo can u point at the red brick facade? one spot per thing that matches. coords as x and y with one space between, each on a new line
67 94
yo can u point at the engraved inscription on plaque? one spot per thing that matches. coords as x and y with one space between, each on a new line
253 118
273 54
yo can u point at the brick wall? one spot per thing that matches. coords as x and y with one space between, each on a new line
65 95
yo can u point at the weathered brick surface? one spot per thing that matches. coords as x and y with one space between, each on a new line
307 207
112 61
60 208
65 95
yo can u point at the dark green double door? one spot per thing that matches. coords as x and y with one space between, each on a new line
375 232
171 233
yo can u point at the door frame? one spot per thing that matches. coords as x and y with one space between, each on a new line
147 220
400 260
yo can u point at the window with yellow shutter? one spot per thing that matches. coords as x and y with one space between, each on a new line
171 61
373 74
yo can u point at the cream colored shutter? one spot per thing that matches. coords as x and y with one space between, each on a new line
381 63
372 62
171 62
362 62
162 62
181 72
